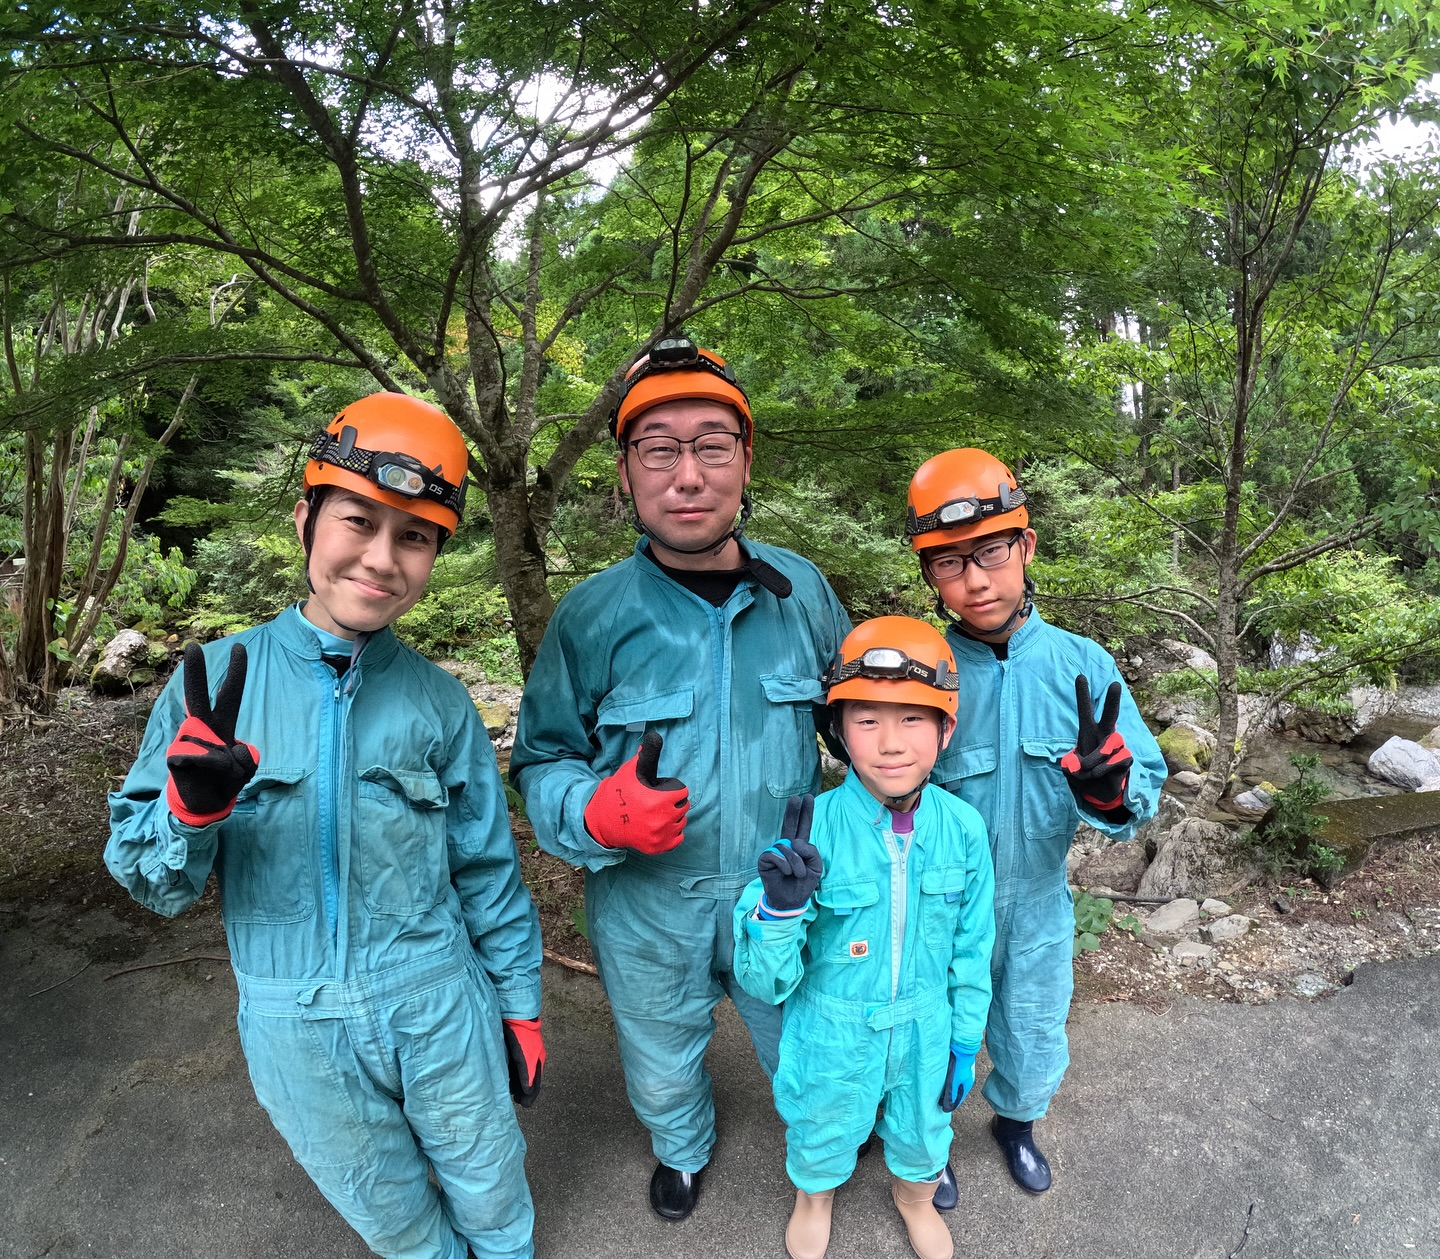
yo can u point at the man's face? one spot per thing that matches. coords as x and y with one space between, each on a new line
893 747
984 598
691 503
369 562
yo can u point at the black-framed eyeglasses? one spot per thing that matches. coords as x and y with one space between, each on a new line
660 452
991 554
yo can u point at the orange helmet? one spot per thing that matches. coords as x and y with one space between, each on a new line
898 660
677 368
962 494
396 450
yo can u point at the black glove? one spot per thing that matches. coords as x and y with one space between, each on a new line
1098 766
208 766
791 867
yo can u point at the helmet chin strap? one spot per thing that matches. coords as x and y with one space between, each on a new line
712 548
1022 610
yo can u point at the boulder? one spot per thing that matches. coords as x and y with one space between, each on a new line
495 716
1303 650
1319 726
1252 803
1404 763
1174 919
1119 867
1431 740
1168 812
128 651
1187 780
1231 927
1186 746
1198 857
1193 953
1213 908
1186 655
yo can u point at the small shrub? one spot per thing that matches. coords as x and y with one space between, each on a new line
1092 916
1286 839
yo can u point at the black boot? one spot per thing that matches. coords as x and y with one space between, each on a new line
1027 1165
673 1194
947 1192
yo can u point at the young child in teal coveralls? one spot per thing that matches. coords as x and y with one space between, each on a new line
877 938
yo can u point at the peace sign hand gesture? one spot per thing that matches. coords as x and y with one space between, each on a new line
1097 768
791 867
208 765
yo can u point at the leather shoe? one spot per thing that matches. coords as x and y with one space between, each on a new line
947 1192
673 1194
1027 1165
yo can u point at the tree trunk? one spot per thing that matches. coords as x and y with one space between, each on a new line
521 561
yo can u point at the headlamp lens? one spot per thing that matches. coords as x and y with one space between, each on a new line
401 480
889 659
954 513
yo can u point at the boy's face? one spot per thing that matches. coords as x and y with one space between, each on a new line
893 747
369 562
984 598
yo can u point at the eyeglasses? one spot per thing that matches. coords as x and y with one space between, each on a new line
714 450
952 564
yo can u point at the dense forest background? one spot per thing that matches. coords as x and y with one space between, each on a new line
1152 256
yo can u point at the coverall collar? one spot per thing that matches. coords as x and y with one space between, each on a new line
1019 642
860 802
744 590
297 636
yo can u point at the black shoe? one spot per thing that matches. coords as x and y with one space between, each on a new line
947 1192
673 1194
1027 1165
866 1146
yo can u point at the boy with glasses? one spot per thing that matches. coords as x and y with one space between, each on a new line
1034 758
669 716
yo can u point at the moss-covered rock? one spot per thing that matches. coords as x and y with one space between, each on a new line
1184 748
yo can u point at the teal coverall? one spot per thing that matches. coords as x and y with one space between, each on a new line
888 965
378 929
1017 719
731 690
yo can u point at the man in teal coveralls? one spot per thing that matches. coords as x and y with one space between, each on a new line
1031 756
669 716
386 952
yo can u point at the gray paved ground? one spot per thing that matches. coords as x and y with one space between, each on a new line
128 1130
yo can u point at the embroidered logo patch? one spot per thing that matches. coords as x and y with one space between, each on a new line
859 948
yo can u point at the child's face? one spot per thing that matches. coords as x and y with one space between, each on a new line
893 746
984 598
369 562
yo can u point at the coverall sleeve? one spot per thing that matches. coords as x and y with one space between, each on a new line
550 763
499 914
974 940
1148 771
768 952
161 861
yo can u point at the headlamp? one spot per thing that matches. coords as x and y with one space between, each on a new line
961 509
891 664
391 470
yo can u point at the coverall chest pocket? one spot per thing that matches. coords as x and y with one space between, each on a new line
850 930
624 717
265 859
399 836
791 752
1047 807
942 890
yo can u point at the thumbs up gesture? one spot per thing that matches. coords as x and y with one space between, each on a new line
1098 766
207 764
635 808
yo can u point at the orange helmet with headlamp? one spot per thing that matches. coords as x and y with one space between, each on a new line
396 450
962 494
677 369
895 660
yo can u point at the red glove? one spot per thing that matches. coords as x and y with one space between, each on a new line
1097 768
526 1051
634 809
208 766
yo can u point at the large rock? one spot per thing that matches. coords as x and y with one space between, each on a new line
1118 867
1201 858
1231 927
124 654
1303 650
1431 740
1175 919
1168 812
1404 763
1319 726
1186 746
1185 655
1252 803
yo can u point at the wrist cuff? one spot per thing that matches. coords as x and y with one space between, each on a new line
189 817
766 914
